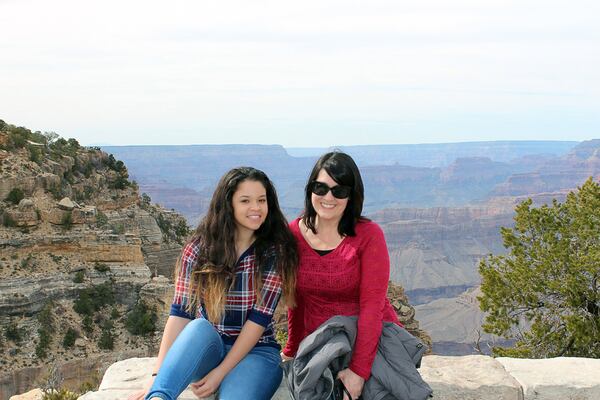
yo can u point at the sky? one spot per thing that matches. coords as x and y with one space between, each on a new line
302 73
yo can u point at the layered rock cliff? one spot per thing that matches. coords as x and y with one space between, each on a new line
79 250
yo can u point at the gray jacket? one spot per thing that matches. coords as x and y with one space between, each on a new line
328 350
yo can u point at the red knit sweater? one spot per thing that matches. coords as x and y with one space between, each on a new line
351 280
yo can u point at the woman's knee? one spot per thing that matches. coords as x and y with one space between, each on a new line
256 377
200 327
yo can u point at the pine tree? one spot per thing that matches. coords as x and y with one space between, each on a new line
545 292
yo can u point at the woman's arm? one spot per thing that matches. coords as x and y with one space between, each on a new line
247 339
374 277
173 328
295 328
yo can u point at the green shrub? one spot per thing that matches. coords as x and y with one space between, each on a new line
88 191
101 218
93 299
26 262
87 169
118 229
182 231
141 320
101 267
107 338
69 339
120 182
8 221
15 196
56 192
13 333
78 278
87 324
145 201
114 313
67 220
41 350
61 394
68 176
35 154
281 336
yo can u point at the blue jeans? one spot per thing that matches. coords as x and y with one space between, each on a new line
199 349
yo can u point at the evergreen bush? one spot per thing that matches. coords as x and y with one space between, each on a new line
78 278
15 196
141 320
69 339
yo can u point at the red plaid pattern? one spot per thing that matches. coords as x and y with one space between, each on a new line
241 302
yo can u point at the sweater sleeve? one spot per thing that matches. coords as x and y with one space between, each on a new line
374 276
295 327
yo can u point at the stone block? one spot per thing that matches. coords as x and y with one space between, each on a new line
563 378
127 376
35 394
468 378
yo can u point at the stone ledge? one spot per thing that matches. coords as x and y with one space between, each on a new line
452 378
566 378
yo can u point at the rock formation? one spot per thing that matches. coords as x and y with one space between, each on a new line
73 225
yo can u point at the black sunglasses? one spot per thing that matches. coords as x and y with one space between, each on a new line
321 189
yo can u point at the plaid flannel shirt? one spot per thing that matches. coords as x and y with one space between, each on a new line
241 300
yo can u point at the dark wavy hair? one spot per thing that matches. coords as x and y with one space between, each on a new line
213 273
342 168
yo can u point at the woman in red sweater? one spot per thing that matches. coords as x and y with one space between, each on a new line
344 265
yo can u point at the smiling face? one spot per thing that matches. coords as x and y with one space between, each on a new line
250 206
327 206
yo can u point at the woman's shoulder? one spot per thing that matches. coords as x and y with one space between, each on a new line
294 226
191 250
366 227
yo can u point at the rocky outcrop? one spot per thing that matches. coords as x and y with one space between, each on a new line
439 248
73 373
451 378
455 325
566 172
78 247
27 295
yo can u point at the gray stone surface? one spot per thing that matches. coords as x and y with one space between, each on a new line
66 204
563 378
127 376
468 378
451 378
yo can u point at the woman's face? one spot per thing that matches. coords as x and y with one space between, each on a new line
250 206
327 206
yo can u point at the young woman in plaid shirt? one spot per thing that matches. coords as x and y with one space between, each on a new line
219 335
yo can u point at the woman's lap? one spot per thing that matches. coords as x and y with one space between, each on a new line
198 349
256 377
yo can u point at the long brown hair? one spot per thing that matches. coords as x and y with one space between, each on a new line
213 274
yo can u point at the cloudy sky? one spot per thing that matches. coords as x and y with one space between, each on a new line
303 73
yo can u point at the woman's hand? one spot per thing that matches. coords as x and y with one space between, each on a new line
209 384
139 395
285 358
354 383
